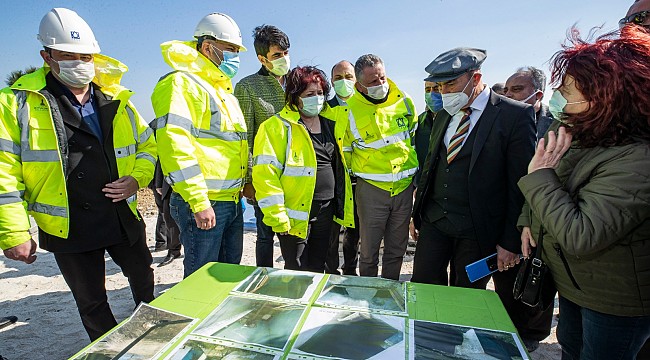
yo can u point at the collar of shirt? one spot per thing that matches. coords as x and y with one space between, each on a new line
73 98
477 106
341 101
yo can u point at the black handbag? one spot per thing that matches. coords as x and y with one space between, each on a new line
534 285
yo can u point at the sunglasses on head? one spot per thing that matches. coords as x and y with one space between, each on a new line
636 18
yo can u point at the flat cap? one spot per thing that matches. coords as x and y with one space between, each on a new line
454 63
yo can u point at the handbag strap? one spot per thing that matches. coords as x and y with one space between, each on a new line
537 259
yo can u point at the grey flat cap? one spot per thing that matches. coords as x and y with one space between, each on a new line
454 63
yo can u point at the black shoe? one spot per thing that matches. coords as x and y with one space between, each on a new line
160 246
6 321
531 345
168 259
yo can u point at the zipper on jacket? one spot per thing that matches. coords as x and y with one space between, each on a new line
566 265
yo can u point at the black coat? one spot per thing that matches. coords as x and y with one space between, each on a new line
95 221
504 145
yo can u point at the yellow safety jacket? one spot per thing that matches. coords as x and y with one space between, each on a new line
200 129
32 177
284 173
379 141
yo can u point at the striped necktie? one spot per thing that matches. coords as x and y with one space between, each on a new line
456 142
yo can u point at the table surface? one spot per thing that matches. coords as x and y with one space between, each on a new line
200 293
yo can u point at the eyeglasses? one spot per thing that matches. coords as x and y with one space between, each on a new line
636 18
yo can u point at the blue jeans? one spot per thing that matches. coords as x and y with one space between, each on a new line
222 243
588 334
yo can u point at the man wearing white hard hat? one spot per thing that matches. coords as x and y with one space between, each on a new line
74 152
201 134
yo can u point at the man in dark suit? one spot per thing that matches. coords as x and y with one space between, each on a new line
343 79
527 85
172 238
467 202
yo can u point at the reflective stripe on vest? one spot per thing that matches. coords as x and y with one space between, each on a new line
388 177
51 210
183 174
383 142
144 155
185 123
27 154
125 151
195 170
9 146
288 169
11 197
268 160
217 184
298 215
270 201
215 119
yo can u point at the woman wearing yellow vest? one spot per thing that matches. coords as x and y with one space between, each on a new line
299 171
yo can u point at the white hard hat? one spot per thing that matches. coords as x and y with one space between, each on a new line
221 27
62 29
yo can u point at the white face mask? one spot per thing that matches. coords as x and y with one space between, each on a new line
453 102
76 73
344 88
529 97
312 105
280 66
377 92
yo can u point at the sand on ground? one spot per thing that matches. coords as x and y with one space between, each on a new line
49 326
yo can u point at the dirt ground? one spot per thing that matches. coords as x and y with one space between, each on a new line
48 324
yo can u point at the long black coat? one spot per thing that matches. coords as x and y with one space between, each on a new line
95 221
504 145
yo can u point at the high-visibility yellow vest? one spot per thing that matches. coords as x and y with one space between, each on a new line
379 141
284 173
32 178
201 131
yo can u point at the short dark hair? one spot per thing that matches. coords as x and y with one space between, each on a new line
297 81
265 36
364 61
537 76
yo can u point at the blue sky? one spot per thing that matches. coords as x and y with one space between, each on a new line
407 35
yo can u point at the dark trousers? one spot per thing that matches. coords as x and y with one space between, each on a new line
588 334
350 246
85 274
532 323
173 233
310 254
264 244
161 225
441 245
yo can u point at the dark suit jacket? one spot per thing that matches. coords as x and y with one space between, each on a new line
95 220
504 145
544 121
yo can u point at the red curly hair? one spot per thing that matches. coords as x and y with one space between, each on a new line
613 74
297 81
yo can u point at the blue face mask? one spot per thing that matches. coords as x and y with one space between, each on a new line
433 100
229 62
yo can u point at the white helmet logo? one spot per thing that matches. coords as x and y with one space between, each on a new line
75 35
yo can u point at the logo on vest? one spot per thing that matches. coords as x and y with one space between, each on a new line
401 122
42 106
369 136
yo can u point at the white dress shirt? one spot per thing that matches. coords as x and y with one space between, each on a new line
477 106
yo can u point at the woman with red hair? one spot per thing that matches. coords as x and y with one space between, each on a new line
588 187
299 174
